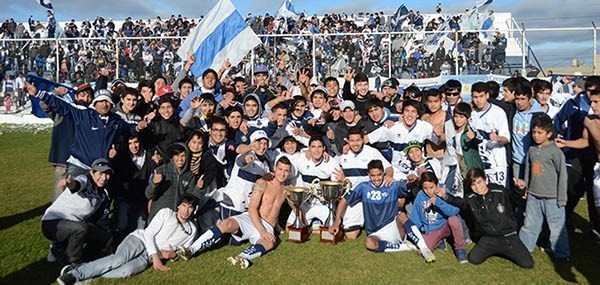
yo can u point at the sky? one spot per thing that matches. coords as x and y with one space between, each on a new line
554 49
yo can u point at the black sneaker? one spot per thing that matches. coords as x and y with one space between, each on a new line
66 279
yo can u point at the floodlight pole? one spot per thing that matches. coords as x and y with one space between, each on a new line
117 52
390 54
57 63
594 65
523 70
314 55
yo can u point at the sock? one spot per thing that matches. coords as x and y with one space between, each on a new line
386 246
414 234
210 237
253 251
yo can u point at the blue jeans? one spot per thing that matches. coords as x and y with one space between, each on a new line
130 258
538 209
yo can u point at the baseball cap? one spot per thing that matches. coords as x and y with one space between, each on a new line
391 83
117 82
347 104
102 95
164 90
411 145
261 68
84 87
258 135
102 165
580 82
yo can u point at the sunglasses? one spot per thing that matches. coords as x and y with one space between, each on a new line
452 94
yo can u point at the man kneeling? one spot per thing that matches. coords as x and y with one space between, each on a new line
167 229
256 225
384 224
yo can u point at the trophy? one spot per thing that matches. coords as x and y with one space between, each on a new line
298 231
330 192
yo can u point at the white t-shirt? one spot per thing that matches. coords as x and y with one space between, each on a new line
493 118
165 231
79 205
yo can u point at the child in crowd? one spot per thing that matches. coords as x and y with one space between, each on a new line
546 185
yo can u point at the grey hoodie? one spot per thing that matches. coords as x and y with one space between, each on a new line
546 173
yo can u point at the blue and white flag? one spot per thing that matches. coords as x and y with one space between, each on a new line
46 4
399 17
222 35
487 25
287 10
46 85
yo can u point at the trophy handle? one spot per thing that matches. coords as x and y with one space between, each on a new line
315 186
347 186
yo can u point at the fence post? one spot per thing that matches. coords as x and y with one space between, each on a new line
57 61
595 58
314 55
390 55
117 53
456 52
523 70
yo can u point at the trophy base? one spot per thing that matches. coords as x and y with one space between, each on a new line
327 237
298 234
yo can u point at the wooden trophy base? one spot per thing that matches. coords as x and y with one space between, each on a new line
327 237
298 234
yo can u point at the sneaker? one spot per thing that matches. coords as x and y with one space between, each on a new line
184 253
66 269
66 279
595 235
428 255
238 261
442 245
461 256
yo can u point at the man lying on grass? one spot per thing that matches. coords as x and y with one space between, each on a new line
168 230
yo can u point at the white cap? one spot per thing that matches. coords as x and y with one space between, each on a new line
347 104
102 95
260 134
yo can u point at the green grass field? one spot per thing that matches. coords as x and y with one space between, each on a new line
25 190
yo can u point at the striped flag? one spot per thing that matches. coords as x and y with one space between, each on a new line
46 4
287 10
222 35
46 85
399 17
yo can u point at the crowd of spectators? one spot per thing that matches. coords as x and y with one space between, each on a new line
360 41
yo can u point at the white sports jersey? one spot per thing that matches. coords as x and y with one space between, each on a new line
354 165
493 154
243 177
399 136
309 170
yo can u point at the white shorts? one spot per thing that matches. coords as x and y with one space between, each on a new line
312 210
354 216
249 232
596 186
389 233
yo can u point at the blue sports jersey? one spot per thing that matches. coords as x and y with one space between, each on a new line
380 204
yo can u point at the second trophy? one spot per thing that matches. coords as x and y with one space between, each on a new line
296 196
330 192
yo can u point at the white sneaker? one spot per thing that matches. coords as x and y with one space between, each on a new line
238 261
428 255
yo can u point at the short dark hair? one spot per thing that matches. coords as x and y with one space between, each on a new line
188 199
453 84
208 97
356 130
539 85
523 87
493 88
280 105
428 176
219 121
373 102
166 99
510 84
361 77
316 138
464 109
175 149
542 121
130 91
233 109
592 81
208 71
375 164
473 174
479 87
411 103
184 81
433 92
145 83
331 78
284 160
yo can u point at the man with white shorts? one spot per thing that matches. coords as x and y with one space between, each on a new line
256 225
384 223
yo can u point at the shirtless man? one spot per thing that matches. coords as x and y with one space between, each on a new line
436 116
591 132
256 225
